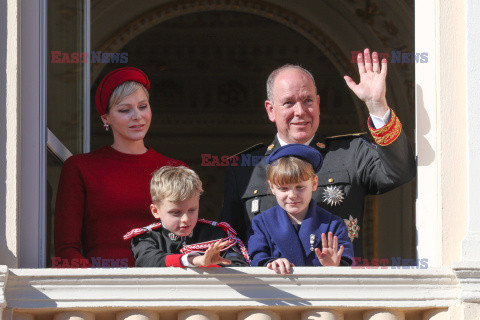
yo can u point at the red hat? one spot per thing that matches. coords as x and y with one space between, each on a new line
112 80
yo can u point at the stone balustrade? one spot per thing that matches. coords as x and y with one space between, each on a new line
234 293
250 314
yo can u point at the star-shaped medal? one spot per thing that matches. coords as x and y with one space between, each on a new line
333 195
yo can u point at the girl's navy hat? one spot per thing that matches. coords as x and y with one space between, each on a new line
302 151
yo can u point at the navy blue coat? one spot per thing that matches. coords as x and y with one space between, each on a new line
273 236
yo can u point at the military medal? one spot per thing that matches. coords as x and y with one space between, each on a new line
333 195
312 242
353 227
255 205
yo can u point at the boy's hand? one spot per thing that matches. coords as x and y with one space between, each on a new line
329 256
211 255
281 265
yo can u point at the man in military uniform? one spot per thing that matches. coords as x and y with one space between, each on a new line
353 167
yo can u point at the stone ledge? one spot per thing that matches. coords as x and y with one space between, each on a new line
3 283
230 287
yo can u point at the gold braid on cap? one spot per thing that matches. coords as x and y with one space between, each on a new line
389 132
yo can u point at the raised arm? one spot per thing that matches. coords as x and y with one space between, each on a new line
391 162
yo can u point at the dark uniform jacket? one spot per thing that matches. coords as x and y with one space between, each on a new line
352 168
273 236
161 248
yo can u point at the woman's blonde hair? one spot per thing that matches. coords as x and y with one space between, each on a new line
288 170
174 184
124 90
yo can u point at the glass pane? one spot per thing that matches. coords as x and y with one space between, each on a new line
65 71
54 167
65 91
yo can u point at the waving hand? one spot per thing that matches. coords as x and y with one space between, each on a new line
372 87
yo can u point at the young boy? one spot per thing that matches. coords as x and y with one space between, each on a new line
291 233
178 240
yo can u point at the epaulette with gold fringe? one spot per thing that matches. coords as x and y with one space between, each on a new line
358 134
249 149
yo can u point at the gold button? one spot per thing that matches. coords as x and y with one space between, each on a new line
270 147
330 180
255 192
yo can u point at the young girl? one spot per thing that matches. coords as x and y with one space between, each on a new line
297 231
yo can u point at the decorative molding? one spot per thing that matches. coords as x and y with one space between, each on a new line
339 58
234 287
468 275
379 17
271 11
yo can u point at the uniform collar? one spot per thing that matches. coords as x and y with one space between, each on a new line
283 143
172 236
317 141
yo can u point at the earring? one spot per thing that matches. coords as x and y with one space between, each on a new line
105 125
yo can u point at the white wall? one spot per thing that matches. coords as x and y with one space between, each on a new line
470 245
9 132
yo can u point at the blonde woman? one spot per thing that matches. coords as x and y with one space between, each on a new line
104 193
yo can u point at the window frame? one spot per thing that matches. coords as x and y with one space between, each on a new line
34 133
32 206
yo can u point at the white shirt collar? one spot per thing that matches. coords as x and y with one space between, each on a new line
283 143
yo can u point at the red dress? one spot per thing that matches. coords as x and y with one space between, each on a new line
101 196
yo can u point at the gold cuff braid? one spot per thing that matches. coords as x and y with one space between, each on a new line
389 132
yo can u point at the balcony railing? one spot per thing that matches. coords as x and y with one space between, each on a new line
235 293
